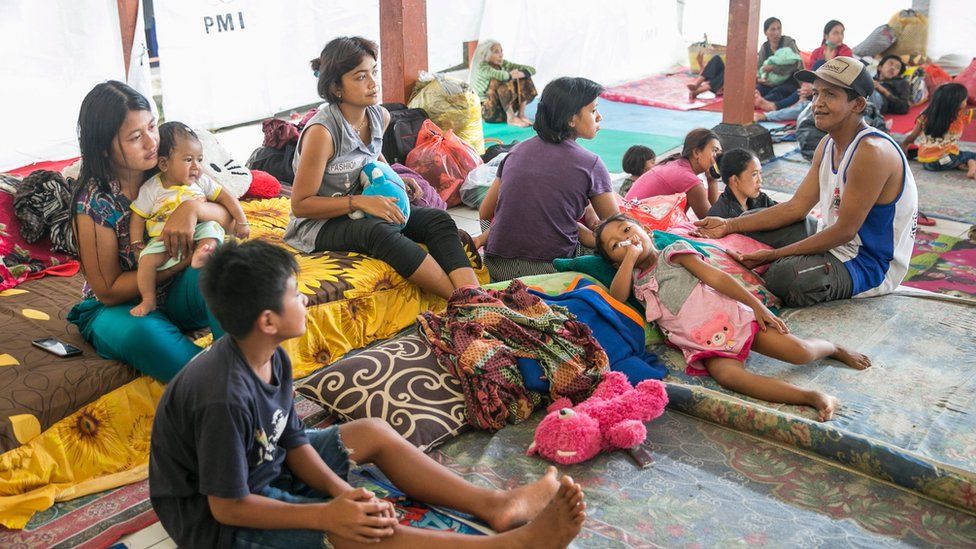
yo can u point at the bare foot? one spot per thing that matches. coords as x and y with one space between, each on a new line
758 117
518 122
480 240
147 306
825 404
851 359
691 86
765 105
971 174
526 120
558 523
201 255
520 505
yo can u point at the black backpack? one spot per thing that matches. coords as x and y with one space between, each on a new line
277 162
401 135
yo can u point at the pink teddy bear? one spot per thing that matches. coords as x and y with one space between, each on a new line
613 417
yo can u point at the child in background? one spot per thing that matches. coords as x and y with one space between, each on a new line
710 317
231 464
940 125
637 160
180 179
742 174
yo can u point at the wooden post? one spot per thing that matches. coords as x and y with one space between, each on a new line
403 46
737 129
740 64
128 14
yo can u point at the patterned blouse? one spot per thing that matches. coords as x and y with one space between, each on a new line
109 209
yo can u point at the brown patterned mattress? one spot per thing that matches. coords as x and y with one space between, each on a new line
37 389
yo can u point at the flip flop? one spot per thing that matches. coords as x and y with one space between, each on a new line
468 243
925 221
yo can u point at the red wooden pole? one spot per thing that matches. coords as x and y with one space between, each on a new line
740 63
403 46
128 14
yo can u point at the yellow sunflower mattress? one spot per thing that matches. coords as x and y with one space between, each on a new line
353 299
75 426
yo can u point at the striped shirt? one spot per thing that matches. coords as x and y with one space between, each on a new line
486 72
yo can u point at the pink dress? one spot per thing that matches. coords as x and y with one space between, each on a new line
699 321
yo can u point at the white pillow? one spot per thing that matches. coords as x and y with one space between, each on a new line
219 165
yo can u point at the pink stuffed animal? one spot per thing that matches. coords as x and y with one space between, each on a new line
613 417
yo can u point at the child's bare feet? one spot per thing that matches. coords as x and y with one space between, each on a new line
852 359
520 505
147 306
558 523
692 86
201 255
971 173
825 404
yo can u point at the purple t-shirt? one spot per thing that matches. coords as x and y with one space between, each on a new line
545 188
669 178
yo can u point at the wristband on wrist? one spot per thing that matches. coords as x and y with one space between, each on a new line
351 209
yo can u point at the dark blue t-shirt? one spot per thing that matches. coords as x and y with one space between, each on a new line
219 431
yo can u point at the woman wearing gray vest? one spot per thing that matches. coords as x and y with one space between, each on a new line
332 149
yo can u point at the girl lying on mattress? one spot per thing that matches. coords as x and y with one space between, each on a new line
710 317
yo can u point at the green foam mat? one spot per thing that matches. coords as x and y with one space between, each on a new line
609 145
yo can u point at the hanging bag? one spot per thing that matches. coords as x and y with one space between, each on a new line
443 160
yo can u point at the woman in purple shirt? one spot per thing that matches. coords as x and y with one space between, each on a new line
545 184
679 173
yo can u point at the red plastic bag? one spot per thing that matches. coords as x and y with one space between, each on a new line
968 78
935 76
656 213
444 160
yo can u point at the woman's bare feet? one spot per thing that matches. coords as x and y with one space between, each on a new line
201 255
518 122
144 308
518 506
758 117
825 404
526 120
852 359
558 523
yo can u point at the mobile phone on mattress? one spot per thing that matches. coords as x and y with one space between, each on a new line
57 347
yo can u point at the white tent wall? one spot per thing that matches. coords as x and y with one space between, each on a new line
234 61
951 27
451 23
51 54
804 21
608 42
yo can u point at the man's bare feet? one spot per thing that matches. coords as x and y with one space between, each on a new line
765 104
142 309
520 505
825 404
201 255
852 359
558 523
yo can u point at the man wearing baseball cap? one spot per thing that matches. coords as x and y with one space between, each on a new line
866 195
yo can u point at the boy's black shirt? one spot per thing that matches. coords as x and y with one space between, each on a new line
221 431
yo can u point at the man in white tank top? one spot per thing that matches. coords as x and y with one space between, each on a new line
867 196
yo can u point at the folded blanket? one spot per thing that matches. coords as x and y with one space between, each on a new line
483 333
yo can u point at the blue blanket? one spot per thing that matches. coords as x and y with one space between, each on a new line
617 327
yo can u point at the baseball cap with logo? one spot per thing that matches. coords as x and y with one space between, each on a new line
845 72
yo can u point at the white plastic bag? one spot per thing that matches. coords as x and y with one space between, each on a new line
476 184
